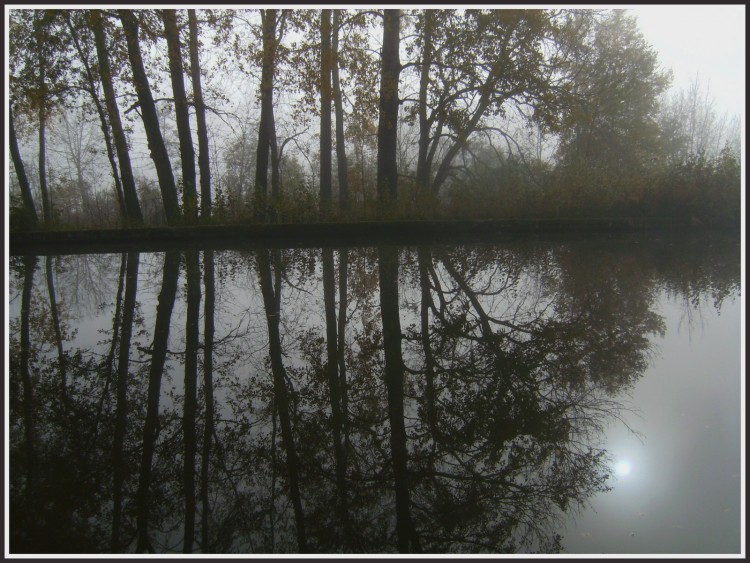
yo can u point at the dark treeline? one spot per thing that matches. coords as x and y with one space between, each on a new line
453 403
135 117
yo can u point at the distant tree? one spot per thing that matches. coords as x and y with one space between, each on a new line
74 139
690 124
615 91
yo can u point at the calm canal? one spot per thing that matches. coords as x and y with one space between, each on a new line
579 395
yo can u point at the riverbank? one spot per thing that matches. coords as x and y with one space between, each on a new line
324 234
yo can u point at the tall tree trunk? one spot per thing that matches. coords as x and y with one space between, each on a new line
42 113
129 192
190 405
28 202
46 204
339 113
123 371
271 302
58 332
91 89
208 387
156 144
275 170
187 153
150 427
266 112
394 382
423 169
388 120
325 112
204 163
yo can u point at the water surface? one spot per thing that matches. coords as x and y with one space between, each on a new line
578 396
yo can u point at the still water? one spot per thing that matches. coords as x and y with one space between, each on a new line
582 395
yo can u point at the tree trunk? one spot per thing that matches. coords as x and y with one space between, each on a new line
204 163
339 113
187 153
28 202
156 144
423 170
325 113
266 112
388 121
46 204
150 427
131 286
130 195
275 170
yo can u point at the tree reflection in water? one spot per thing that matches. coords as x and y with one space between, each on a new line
453 402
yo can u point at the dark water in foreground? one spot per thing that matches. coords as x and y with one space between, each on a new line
578 396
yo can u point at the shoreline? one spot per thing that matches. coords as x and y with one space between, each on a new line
336 234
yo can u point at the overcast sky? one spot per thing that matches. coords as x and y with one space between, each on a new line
699 39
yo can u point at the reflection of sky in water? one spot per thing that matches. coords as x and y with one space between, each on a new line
677 488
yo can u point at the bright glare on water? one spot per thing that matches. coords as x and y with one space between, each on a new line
623 468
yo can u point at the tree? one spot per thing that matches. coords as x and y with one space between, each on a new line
326 60
617 84
273 30
28 201
690 125
157 148
90 86
187 153
130 194
339 112
462 91
38 78
204 162
74 138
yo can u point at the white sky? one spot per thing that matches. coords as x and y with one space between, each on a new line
699 39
